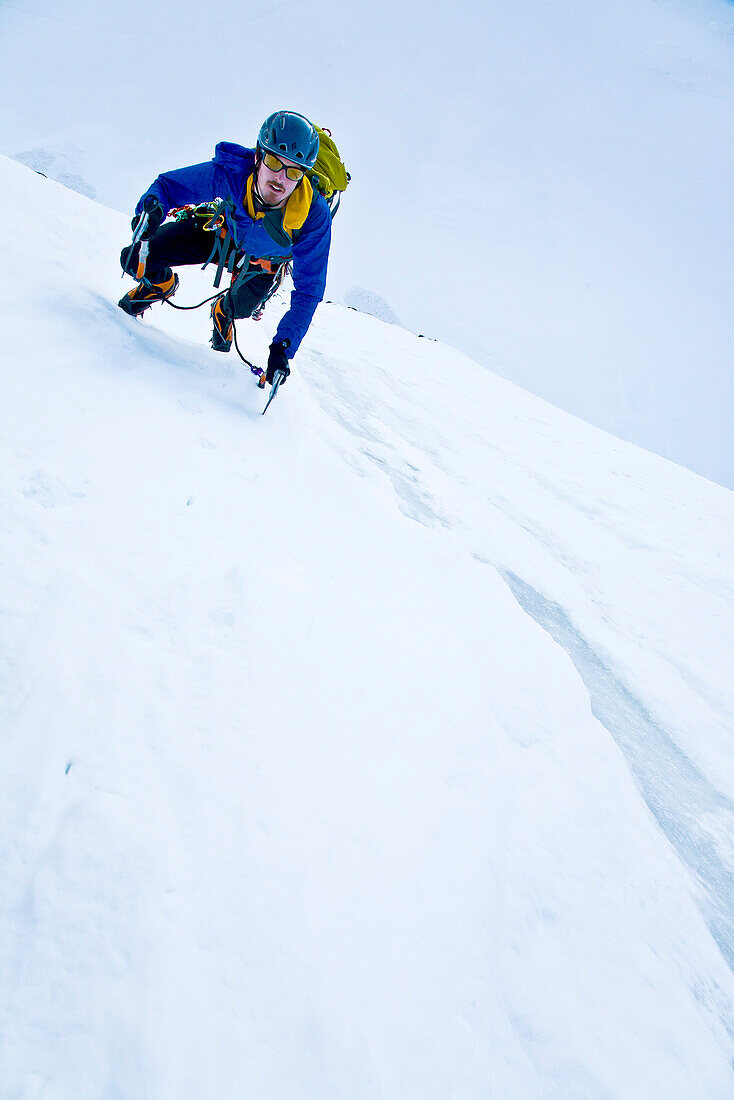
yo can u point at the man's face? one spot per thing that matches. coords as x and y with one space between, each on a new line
275 187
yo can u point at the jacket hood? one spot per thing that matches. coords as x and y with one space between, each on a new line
230 155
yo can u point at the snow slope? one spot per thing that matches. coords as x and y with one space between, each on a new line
377 748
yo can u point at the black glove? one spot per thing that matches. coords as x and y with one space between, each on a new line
277 360
155 212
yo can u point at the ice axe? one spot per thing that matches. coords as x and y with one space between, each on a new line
278 377
148 206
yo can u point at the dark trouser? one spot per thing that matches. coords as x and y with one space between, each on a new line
184 243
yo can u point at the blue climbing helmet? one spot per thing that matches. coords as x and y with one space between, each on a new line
290 135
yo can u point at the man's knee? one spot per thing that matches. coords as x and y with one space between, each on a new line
156 269
243 300
129 259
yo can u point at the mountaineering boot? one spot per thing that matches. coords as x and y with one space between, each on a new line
146 293
222 327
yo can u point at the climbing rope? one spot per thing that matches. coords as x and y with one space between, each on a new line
257 371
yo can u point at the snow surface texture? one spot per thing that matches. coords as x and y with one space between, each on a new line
377 748
366 301
544 185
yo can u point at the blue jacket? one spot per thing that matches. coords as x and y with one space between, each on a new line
225 177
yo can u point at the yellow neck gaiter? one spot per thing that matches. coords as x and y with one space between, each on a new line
295 211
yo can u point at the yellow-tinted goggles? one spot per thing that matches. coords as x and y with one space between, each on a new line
271 161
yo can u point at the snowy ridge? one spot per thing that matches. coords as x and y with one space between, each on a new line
300 796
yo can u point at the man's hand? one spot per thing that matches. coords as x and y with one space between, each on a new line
155 213
277 360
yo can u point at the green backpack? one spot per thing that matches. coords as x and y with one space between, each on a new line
329 174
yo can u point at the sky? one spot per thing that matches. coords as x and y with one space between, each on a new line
378 747
545 186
